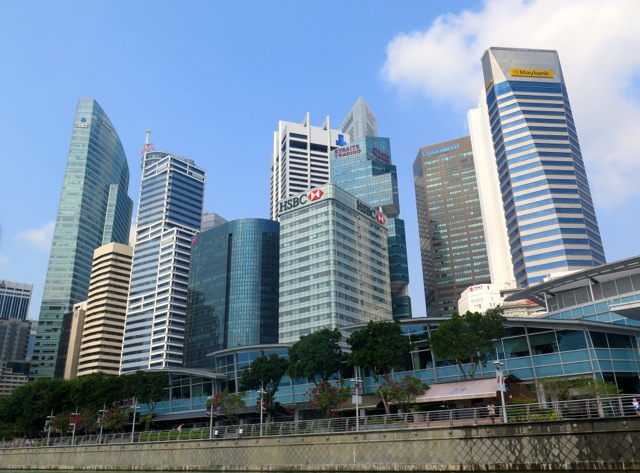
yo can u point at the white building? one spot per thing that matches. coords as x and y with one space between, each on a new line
479 298
360 121
334 264
301 158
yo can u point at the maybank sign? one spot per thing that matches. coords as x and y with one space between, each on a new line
537 73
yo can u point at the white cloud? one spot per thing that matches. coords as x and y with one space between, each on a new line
40 237
4 261
599 48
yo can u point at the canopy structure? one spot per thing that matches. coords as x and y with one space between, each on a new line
476 389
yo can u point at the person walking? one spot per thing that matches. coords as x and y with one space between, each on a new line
491 410
636 406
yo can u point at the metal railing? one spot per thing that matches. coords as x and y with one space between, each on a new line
613 407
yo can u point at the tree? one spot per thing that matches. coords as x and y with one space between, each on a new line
265 374
227 405
148 387
326 398
316 356
404 392
468 338
380 347
564 389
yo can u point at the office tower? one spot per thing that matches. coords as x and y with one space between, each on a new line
364 169
233 289
15 298
72 338
14 339
334 266
360 121
551 222
300 158
169 215
101 343
210 220
94 209
452 242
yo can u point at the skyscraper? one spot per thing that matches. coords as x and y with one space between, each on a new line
94 208
300 159
233 289
15 298
360 121
550 218
452 242
334 266
101 344
364 169
169 215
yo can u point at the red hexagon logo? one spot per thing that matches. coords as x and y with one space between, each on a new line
315 195
381 218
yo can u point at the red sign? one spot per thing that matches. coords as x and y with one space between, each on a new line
315 195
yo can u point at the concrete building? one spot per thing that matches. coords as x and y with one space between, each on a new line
334 263
550 219
103 328
211 220
233 289
169 216
360 121
94 210
452 241
15 299
364 169
300 159
14 339
73 338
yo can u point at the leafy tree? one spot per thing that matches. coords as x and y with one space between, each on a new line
148 387
468 338
404 392
265 374
326 398
316 356
96 390
227 405
579 388
380 347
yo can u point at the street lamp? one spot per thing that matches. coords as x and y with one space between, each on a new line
102 415
133 424
48 425
74 419
210 404
501 387
356 397
262 392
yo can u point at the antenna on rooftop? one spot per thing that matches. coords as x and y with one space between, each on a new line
147 146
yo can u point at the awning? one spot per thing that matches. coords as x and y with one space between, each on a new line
369 401
480 388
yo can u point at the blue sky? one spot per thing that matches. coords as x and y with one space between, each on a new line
212 79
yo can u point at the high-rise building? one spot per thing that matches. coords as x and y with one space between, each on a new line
233 289
334 263
452 241
211 220
550 218
94 209
169 215
15 299
360 121
72 339
103 328
364 169
300 158
14 339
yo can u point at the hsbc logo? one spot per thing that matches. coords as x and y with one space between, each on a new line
315 195
295 202
371 212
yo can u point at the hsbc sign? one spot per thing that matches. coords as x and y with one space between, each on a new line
371 212
300 200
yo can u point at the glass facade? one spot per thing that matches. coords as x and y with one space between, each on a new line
14 300
363 168
334 263
91 212
452 241
550 218
169 215
233 289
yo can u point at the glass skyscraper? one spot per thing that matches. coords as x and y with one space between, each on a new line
364 169
452 241
233 289
15 298
94 209
169 215
550 218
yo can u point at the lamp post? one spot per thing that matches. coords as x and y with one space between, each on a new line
210 404
48 424
501 387
74 418
102 415
356 397
262 393
133 424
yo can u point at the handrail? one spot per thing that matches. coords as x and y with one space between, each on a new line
610 407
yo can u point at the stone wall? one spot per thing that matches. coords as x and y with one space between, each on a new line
584 445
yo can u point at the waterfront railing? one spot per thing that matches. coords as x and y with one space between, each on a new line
620 406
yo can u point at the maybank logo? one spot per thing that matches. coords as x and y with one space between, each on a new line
539 73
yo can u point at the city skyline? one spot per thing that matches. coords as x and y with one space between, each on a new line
219 95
